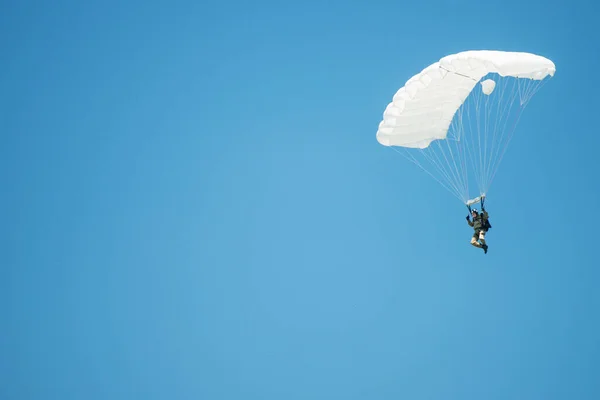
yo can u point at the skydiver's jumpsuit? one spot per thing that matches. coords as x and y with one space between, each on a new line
480 226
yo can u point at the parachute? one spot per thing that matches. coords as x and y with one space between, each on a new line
456 118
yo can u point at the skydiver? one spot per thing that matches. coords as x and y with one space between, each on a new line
480 224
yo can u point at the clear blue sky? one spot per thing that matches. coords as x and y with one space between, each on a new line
195 206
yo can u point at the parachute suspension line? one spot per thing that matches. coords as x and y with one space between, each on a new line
501 124
459 176
467 139
412 159
501 120
524 89
489 106
499 111
466 151
464 161
531 87
456 130
444 168
505 147
475 153
461 157
478 101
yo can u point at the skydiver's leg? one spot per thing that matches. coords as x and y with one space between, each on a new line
482 237
482 241
474 241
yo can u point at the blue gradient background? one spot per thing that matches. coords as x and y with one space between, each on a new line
194 206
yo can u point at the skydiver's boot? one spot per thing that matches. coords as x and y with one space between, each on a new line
484 247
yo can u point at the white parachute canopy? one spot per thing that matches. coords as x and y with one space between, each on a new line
462 133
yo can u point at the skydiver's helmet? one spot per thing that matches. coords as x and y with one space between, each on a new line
474 211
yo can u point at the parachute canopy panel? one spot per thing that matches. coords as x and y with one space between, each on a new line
422 110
